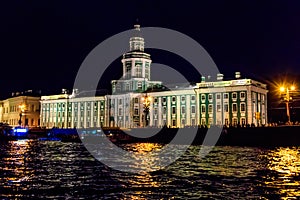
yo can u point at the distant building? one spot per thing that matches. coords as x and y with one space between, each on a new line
137 101
20 110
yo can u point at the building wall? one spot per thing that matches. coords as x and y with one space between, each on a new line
11 109
64 112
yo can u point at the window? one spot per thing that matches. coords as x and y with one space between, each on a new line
225 95
139 85
226 121
120 111
203 108
218 96
226 107
155 100
127 87
136 100
234 108
218 107
136 111
183 98
210 108
120 101
164 110
173 122
193 109
173 110
164 99
210 97
193 98
243 108
183 109
242 95
193 122
202 97
234 95
235 121
155 111
173 98
183 122
138 70
243 121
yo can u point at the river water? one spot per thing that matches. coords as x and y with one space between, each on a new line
52 169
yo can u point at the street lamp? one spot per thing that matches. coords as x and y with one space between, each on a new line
287 98
146 106
22 110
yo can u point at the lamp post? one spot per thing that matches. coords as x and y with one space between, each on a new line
146 106
22 109
286 92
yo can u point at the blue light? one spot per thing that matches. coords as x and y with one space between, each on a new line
20 130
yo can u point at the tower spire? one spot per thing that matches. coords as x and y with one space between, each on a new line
137 41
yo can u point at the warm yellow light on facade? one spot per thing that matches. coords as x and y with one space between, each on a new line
22 107
282 89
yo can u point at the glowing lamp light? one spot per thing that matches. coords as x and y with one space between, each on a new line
293 87
282 89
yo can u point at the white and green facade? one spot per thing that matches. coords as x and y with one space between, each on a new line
233 102
63 111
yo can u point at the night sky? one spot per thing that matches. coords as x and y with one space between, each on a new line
43 43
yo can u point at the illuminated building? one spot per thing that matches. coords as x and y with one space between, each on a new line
64 111
21 110
221 102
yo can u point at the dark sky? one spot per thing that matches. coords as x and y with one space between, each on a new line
43 43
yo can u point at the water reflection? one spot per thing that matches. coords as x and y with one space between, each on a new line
37 170
284 175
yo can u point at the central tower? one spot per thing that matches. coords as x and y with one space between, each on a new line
136 67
